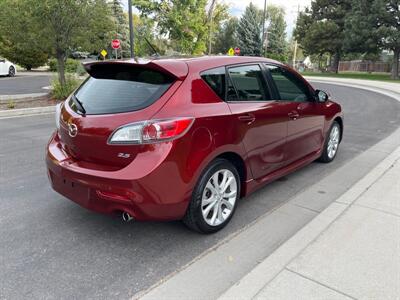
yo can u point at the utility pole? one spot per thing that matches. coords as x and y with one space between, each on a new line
295 42
131 29
211 20
263 29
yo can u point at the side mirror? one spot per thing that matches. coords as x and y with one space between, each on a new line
321 96
2 60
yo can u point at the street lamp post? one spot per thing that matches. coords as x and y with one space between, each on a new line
263 29
131 28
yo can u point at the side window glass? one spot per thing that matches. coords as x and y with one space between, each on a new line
231 94
249 84
215 79
289 86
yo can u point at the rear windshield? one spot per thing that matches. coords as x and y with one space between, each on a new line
121 89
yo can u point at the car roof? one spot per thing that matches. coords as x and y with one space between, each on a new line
181 66
207 62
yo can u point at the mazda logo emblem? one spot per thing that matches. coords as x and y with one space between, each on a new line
72 130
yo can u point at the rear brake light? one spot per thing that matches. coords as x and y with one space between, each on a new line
58 114
151 131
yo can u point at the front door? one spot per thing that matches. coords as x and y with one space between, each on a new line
306 121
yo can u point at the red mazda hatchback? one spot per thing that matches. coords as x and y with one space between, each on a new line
184 139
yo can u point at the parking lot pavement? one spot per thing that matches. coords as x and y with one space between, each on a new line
52 248
25 84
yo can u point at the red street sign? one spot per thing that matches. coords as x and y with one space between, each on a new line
116 44
237 51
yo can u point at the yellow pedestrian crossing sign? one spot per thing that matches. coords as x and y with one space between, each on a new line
231 52
103 53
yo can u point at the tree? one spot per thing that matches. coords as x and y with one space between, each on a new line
388 29
19 42
321 29
184 22
360 37
372 26
276 33
72 24
217 15
226 37
121 24
249 31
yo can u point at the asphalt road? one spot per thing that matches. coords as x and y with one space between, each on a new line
27 84
52 248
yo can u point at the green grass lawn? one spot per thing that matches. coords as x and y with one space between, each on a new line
354 75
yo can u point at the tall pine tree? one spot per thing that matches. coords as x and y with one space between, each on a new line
249 31
321 29
276 37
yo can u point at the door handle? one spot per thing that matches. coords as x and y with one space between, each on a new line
294 115
247 118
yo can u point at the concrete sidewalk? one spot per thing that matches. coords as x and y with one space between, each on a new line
350 251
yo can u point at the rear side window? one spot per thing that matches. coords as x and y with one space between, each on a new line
289 86
249 83
116 89
215 78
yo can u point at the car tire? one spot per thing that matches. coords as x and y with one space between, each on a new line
332 143
214 199
11 71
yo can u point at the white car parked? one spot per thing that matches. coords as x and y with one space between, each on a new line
7 68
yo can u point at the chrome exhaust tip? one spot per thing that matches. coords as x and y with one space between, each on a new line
126 217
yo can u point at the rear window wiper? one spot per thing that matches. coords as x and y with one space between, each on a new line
79 104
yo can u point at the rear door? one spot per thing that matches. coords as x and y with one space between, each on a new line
114 95
305 118
261 121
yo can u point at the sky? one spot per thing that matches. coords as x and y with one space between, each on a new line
237 7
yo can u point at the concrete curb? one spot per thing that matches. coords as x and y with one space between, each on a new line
23 97
27 111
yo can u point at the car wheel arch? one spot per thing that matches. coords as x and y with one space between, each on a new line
240 166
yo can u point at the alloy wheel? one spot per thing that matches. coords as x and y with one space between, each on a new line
219 197
333 142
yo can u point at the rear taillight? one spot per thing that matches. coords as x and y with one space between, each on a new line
58 114
151 131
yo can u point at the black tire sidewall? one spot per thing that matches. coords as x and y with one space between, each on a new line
195 206
9 71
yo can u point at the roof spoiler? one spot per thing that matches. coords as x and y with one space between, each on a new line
175 68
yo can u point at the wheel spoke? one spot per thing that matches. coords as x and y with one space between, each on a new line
211 188
215 180
224 179
214 216
227 204
220 216
230 195
228 182
208 208
205 202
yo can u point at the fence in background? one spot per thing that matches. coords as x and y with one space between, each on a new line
364 66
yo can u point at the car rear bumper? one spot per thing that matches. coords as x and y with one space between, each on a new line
147 197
